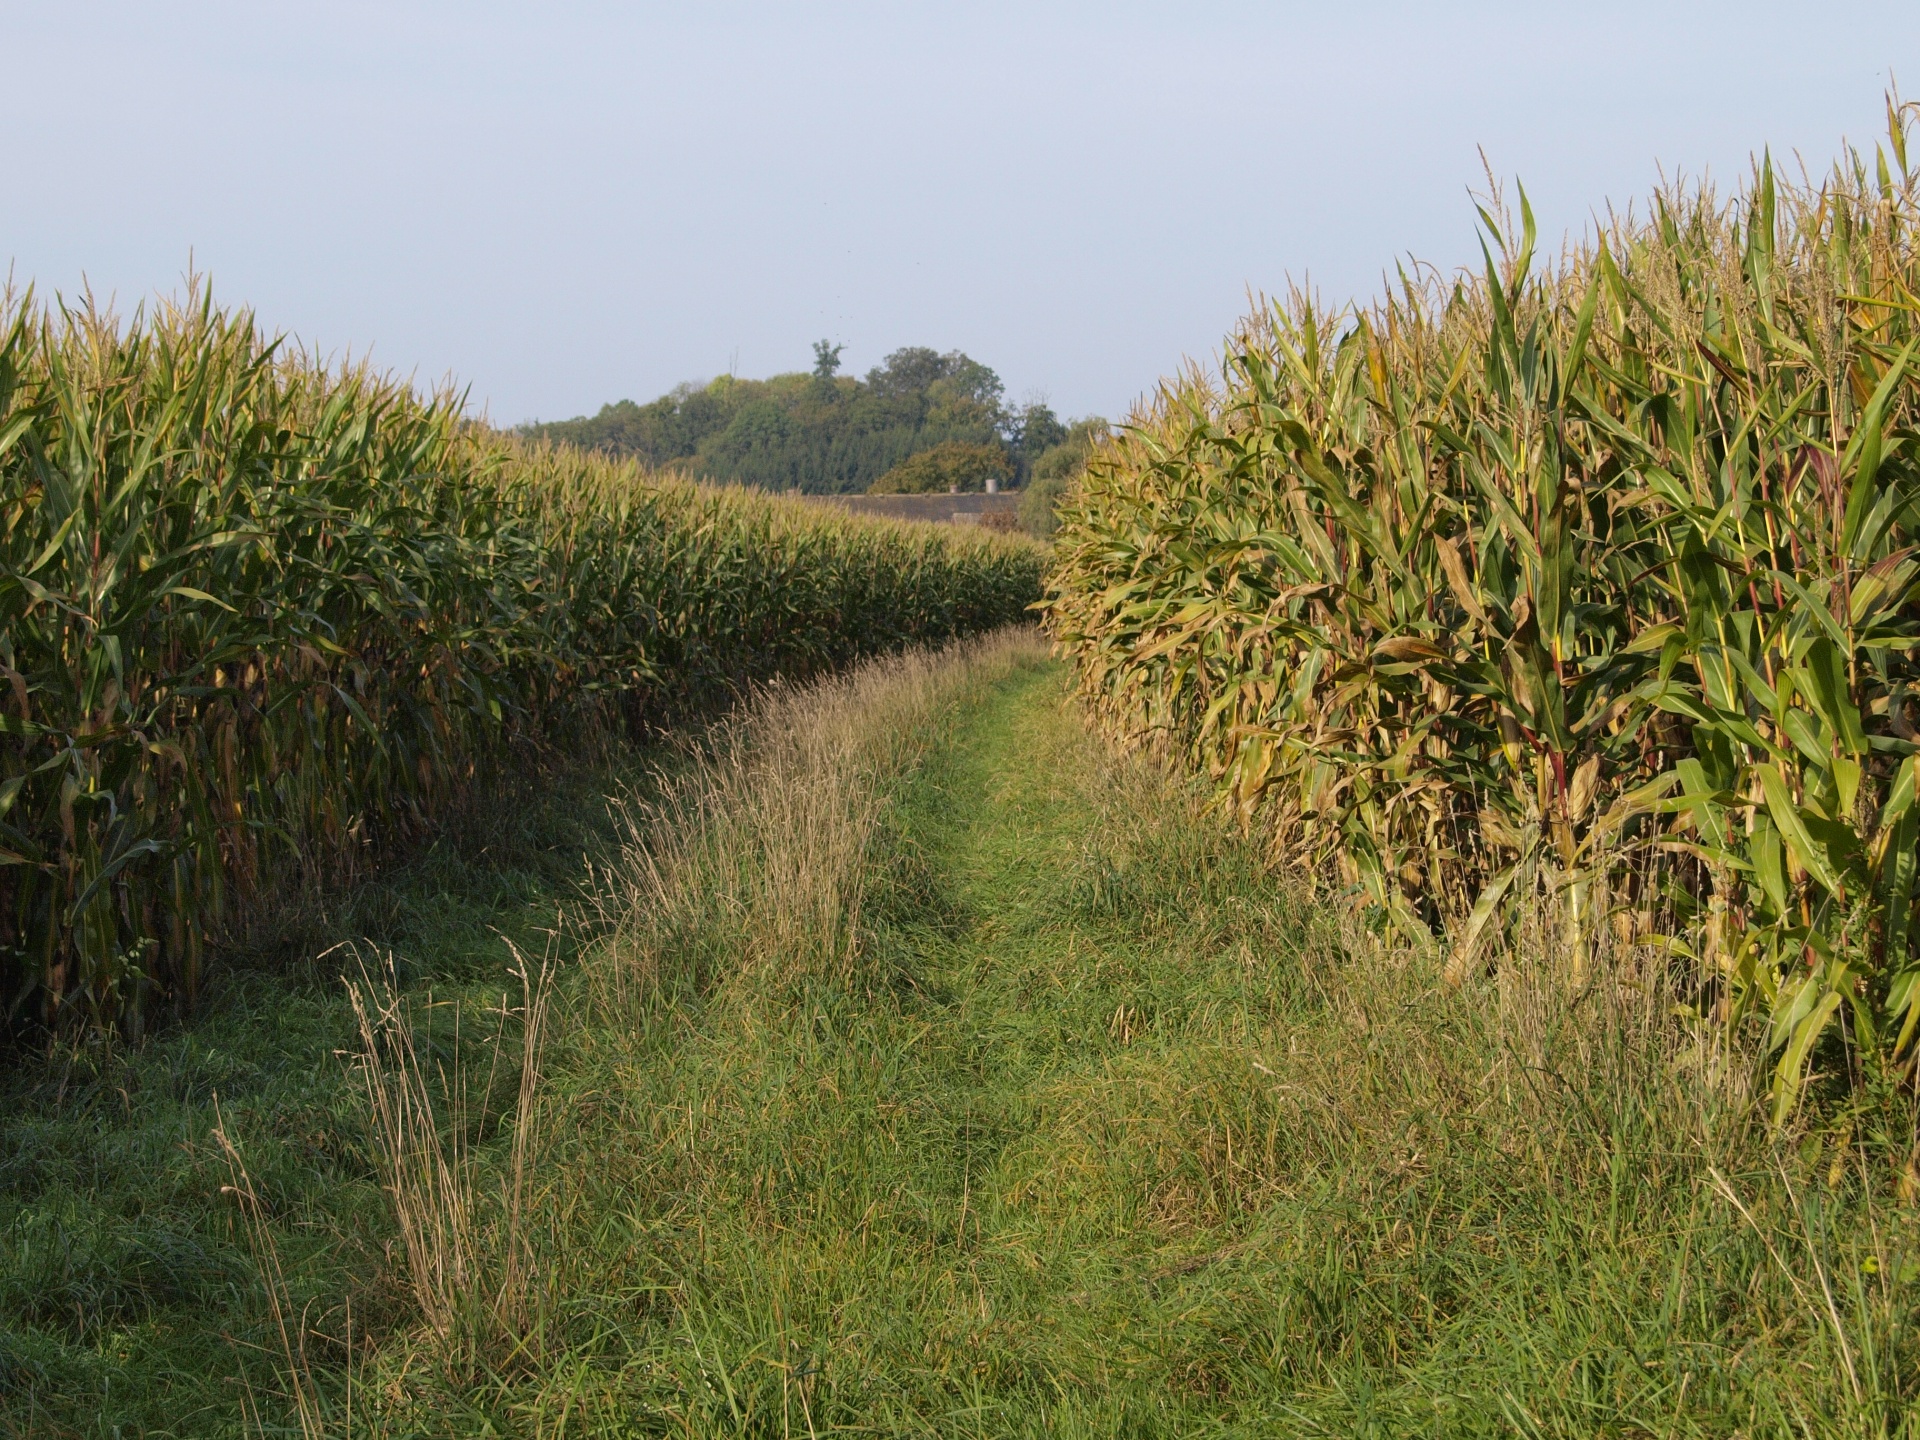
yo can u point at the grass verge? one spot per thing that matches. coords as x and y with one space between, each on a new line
131 1298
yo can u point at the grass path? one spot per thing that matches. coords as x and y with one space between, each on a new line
1079 982
1094 1128
1110 1135
948 1197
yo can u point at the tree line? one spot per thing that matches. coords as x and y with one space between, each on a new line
921 420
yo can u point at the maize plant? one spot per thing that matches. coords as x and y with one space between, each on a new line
1589 587
258 617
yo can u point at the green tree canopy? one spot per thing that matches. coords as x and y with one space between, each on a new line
820 430
1034 429
1054 474
950 465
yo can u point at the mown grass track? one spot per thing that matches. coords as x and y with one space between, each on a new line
1106 1131
1032 1105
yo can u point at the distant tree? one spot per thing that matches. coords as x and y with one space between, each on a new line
758 426
1032 430
1068 456
952 407
967 377
1054 474
907 371
951 465
918 370
660 432
819 430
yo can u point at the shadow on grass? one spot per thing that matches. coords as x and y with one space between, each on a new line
130 1300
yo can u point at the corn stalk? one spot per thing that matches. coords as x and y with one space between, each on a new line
260 618
1590 586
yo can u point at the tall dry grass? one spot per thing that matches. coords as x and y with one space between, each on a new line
469 1244
755 860
468 1239
290 1323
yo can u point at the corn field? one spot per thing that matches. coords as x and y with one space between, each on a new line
1585 589
259 616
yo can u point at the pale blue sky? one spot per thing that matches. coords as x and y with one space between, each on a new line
562 204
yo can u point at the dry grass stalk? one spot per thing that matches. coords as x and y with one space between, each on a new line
469 1249
757 855
290 1328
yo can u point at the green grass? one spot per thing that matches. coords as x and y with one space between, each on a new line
1112 1134
1103 1130
130 1302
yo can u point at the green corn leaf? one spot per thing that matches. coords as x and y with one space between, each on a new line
1900 794
1863 455
1791 824
1896 886
1790 1075
1829 691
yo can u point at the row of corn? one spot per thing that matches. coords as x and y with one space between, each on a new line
260 616
1584 590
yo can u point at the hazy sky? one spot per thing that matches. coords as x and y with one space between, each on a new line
563 204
